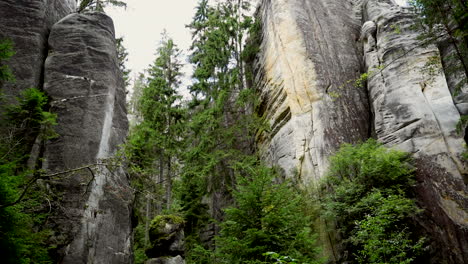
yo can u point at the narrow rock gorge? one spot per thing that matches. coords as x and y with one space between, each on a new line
325 73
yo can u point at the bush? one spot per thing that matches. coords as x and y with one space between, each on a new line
368 196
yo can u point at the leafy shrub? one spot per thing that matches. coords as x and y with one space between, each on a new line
368 189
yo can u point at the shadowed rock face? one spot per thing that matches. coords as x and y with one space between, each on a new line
27 23
414 111
309 55
82 77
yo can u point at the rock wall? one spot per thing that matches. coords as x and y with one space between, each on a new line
308 55
27 23
311 54
415 112
73 58
84 81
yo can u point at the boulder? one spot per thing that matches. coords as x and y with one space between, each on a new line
166 260
166 236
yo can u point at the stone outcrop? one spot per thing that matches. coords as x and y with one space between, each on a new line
169 260
312 53
415 112
166 236
308 55
82 77
27 24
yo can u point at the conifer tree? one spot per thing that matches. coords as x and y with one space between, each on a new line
122 56
216 129
155 142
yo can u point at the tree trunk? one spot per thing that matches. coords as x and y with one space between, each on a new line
147 219
168 185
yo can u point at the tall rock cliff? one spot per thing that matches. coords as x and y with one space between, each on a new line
27 24
415 112
73 58
308 54
84 81
312 54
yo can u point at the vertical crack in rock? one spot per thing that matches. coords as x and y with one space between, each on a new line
416 113
27 24
85 83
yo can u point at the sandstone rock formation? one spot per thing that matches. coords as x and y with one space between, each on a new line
415 112
27 24
308 55
311 55
83 79
166 236
91 216
170 260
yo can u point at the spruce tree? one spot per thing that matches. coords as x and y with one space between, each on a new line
217 129
155 142
122 56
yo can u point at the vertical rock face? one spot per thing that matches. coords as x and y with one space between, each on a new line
414 111
84 81
309 55
27 24
312 53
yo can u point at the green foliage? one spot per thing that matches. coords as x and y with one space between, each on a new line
383 234
360 82
277 258
156 140
396 29
28 117
122 56
23 121
220 125
447 21
462 123
23 240
267 216
139 244
99 5
367 194
6 52
160 221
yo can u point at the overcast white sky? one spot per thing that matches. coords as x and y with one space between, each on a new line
143 21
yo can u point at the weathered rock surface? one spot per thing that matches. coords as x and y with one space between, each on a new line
166 236
414 111
455 76
27 23
169 260
92 219
308 57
